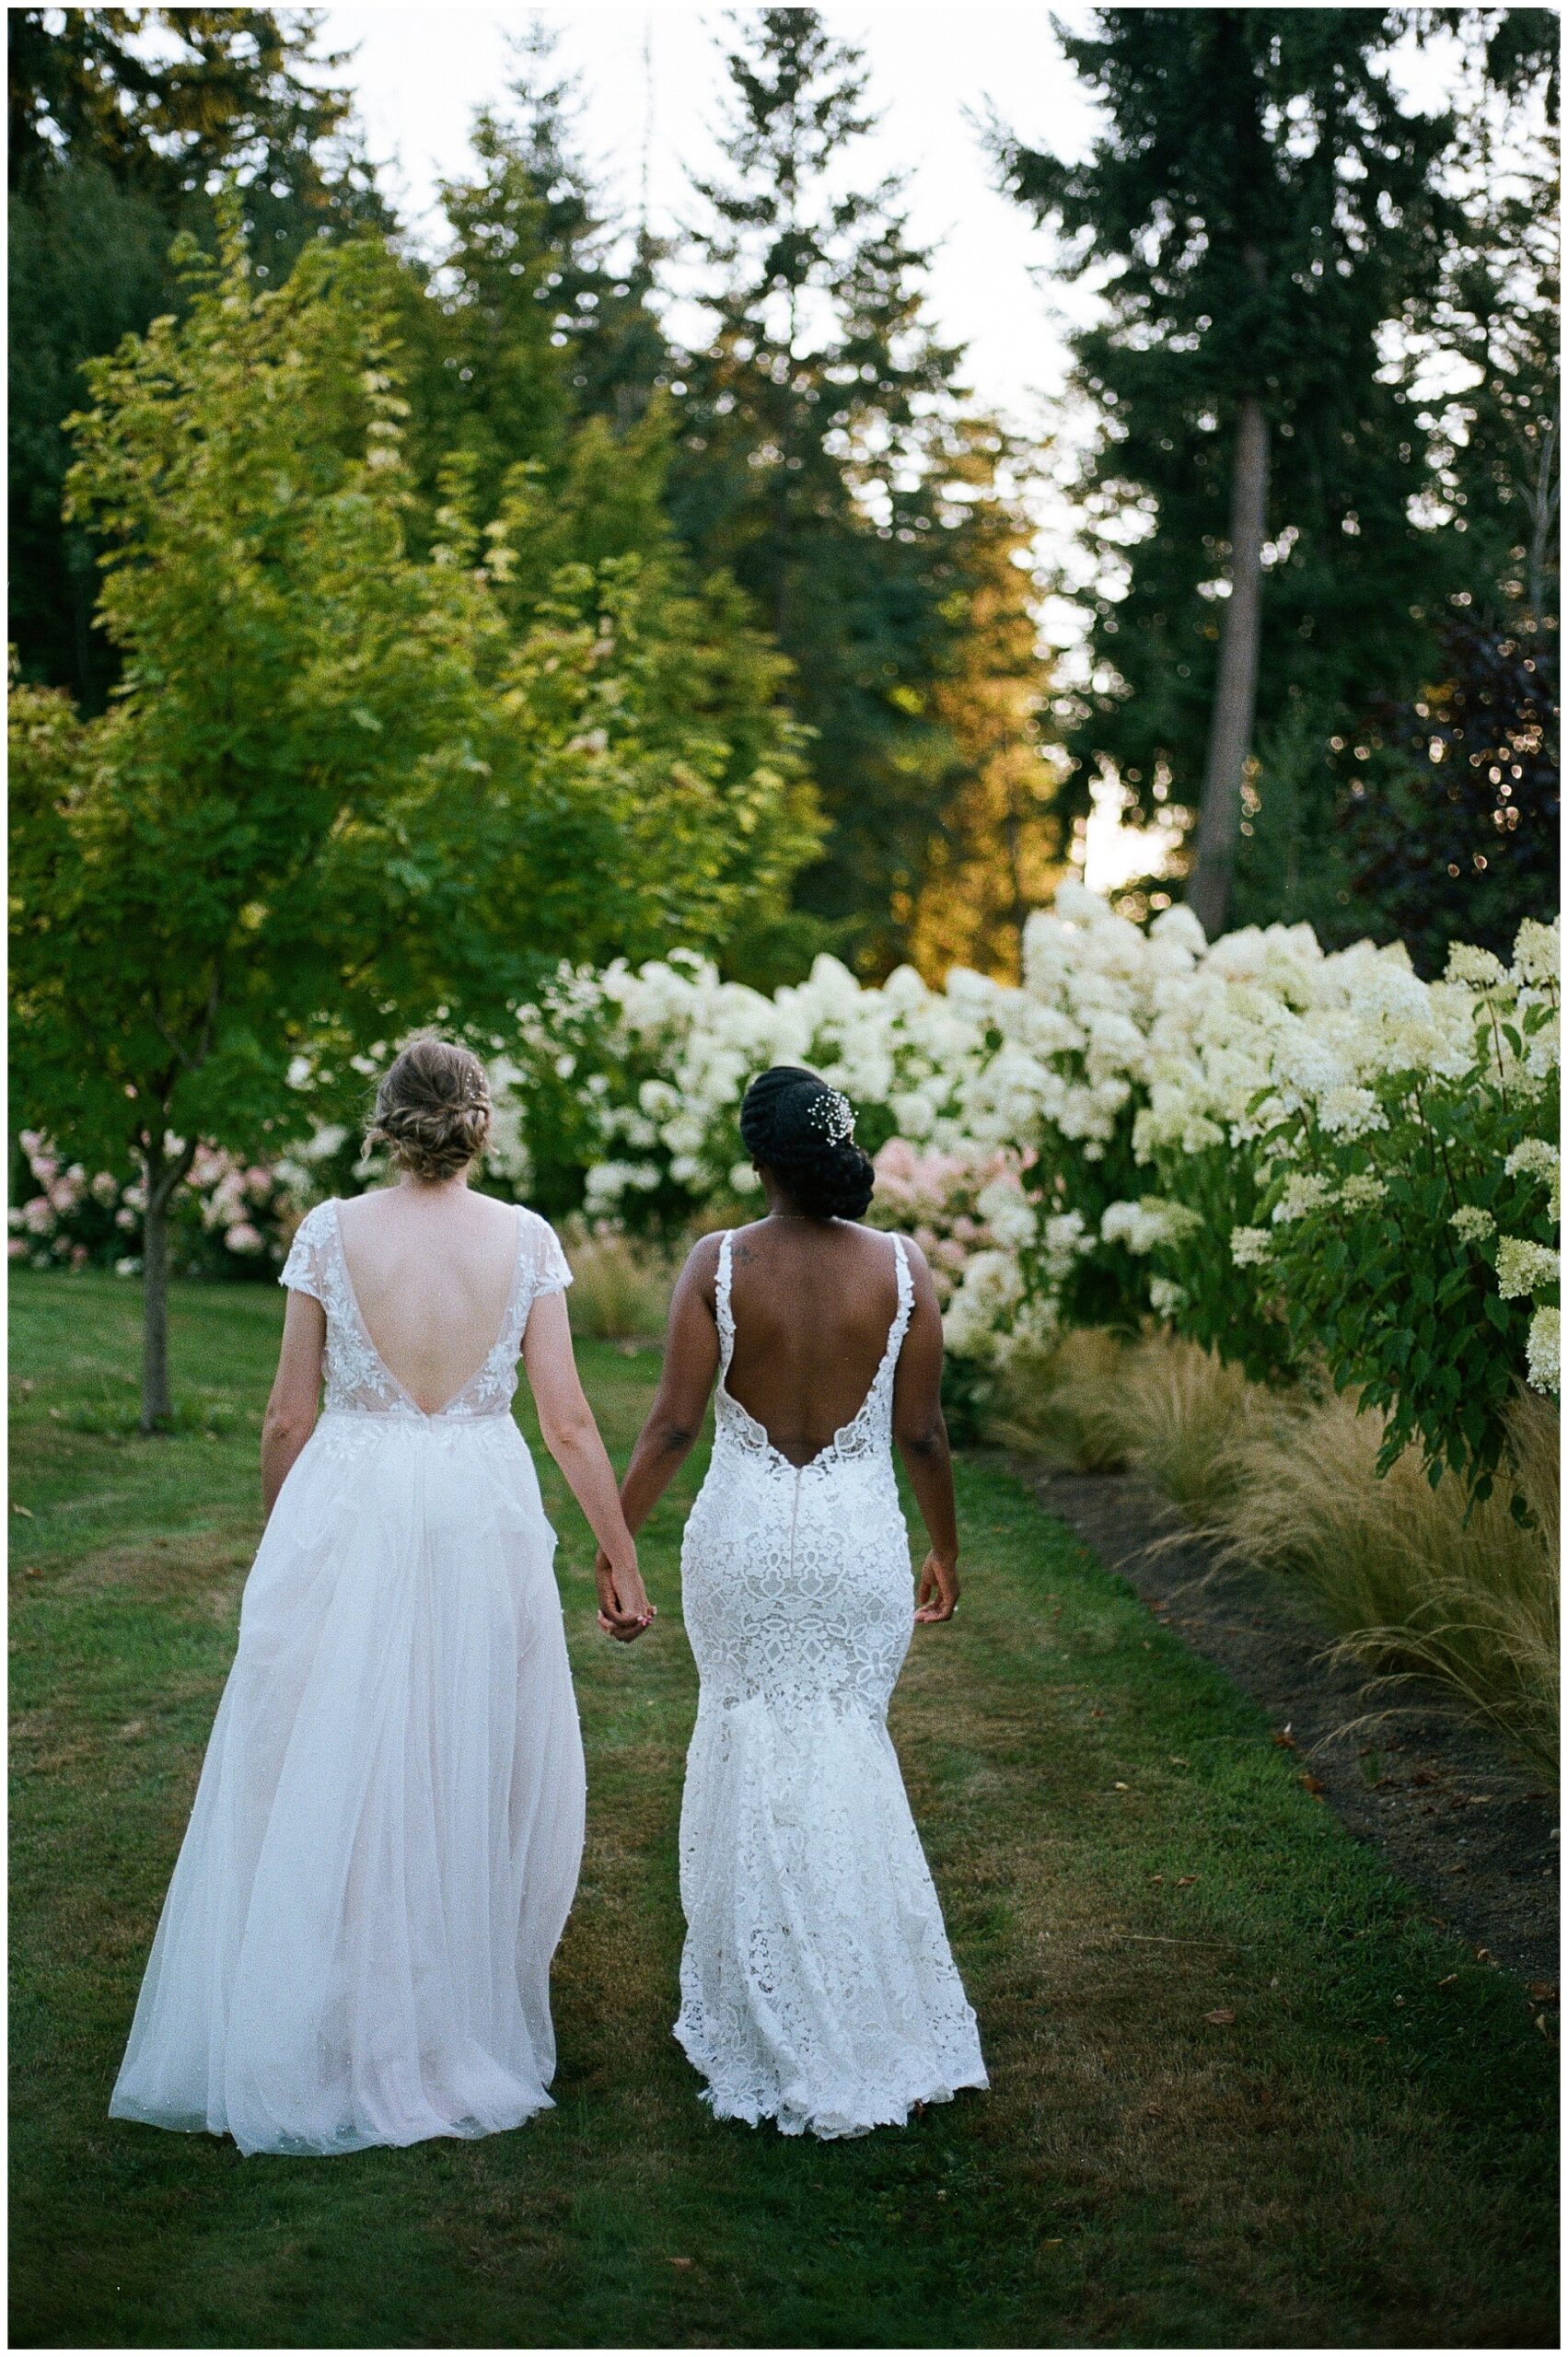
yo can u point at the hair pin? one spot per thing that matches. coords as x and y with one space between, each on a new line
833 1114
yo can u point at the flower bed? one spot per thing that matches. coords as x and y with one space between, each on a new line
1297 1158
234 1218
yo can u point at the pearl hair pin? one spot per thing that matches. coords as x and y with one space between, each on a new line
833 1114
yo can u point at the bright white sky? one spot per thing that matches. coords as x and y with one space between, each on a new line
420 72
650 84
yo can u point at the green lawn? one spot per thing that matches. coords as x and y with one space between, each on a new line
1362 2156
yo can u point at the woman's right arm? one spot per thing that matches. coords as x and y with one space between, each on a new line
920 1432
296 1399
690 1363
573 1438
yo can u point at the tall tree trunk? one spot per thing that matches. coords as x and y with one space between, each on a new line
1543 503
163 1174
1235 688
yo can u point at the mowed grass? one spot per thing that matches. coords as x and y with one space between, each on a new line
1362 2156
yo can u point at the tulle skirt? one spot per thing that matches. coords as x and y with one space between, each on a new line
355 1945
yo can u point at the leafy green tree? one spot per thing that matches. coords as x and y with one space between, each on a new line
530 354
823 427
122 122
340 789
1271 225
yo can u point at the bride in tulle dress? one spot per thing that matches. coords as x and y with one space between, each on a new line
355 1945
817 1987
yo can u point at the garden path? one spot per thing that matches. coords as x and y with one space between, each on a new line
1244 2094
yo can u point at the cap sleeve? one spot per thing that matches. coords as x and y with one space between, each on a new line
305 1269
547 1268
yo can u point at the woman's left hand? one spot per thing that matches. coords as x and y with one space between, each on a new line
936 1598
624 1610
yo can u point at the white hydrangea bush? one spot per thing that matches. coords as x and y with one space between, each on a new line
1301 1157
635 1076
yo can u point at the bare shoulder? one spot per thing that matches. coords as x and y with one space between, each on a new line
912 1252
703 1261
744 1242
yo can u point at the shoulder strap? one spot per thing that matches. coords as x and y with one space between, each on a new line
906 1297
723 1313
520 1298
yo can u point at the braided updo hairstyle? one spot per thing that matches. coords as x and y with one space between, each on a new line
432 1109
803 1130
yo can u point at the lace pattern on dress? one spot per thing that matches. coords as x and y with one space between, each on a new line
358 1380
818 1986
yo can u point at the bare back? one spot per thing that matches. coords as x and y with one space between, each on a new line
432 1272
813 1303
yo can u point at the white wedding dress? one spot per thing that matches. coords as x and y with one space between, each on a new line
817 1987
356 1947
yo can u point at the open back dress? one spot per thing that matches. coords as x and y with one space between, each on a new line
355 1945
817 1987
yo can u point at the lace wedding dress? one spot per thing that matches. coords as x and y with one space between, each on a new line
356 1947
817 1987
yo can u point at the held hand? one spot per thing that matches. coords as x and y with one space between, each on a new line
623 1607
936 1598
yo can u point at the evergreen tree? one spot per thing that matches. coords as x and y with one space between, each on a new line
816 465
535 355
1451 796
122 123
527 323
999 850
1272 227
1452 812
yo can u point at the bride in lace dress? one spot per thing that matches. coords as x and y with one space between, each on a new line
355 1945
817 1987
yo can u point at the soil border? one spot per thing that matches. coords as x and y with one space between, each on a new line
1444 1802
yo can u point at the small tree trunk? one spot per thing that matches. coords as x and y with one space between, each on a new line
163 1174
156 1410
1235 688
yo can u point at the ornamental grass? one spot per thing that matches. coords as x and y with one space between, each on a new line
1418 1582
1421 1581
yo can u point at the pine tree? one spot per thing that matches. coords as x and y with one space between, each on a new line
815 464
1266 213
528 322
1451 795
999 850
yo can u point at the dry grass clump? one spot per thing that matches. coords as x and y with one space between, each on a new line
1046 1401
1162 1406
1176 1411
1420 1580
621 1289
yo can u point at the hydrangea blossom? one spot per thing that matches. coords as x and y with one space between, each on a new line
1543 1351
1522 1267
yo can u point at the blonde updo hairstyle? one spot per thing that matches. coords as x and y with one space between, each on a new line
432 1109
